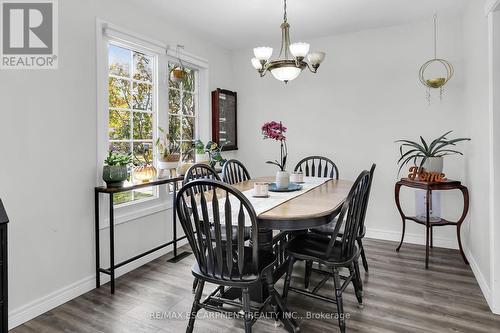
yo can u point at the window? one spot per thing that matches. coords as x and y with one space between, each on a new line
132 109
135 97
183 110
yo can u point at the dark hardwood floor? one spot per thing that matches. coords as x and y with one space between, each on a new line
400 296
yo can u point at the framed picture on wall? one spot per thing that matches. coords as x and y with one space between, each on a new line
224 124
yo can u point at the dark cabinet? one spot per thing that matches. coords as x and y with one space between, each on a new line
224 124
3 270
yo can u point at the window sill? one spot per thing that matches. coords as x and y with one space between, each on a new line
127 213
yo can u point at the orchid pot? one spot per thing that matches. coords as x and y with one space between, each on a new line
282 179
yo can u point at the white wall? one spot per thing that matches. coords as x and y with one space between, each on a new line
494 73
48 143
365 96
477 120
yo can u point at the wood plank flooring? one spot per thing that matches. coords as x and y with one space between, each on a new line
400 296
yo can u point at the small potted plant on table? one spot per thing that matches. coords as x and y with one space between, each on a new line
200 154
428 155
115 170
275 131
168 150
214 153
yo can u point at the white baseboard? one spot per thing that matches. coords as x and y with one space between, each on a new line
485 288
418 239
43 304
46 303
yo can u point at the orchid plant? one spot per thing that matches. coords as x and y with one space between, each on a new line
275 131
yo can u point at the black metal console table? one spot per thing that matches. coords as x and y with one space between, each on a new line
4 309
112 265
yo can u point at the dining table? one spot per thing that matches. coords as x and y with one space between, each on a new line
316 204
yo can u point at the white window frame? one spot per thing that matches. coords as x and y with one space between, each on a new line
196 94
154 103
104 32
203 120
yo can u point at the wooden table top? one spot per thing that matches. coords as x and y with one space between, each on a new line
322 201
447 184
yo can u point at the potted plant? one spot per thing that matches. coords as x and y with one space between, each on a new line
429 155
200 154
168 151
275 131
177 73
115 170
214 153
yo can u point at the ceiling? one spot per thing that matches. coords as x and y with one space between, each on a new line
237 24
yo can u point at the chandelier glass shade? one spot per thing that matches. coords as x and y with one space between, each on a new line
291 59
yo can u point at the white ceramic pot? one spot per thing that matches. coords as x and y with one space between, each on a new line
282 179
433 164
164 165
200 158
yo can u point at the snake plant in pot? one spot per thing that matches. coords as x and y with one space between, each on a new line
428 155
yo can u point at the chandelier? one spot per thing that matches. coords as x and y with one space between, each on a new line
287 67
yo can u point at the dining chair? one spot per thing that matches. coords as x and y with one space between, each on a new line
204 171
321 167
334 253
218 262
233 171
318 166
200 171
328 228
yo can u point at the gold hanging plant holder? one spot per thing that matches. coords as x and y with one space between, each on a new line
439 81
178 73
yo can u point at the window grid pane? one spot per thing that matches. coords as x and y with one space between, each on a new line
182 111
132 113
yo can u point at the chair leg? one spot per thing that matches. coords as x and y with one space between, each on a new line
288 278
195 284
246 309
358 275
307 275
356 283
363 255
196 306
338 297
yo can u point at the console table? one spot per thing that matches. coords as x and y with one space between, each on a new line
429 187
4 308
113 266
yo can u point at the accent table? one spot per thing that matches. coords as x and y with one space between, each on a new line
429 187
113 266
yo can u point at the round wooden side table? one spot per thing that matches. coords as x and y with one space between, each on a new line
429 187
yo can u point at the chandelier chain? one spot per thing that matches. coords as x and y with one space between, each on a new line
284 14
435 36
